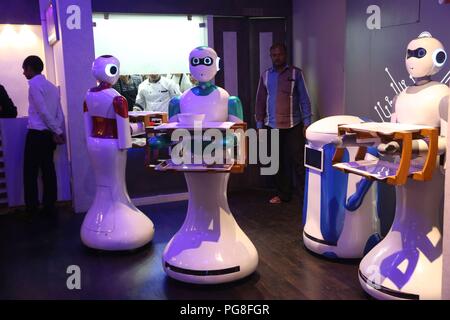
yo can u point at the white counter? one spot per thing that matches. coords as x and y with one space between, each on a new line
13 133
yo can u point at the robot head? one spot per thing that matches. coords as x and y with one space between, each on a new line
106 69
203 64
425 56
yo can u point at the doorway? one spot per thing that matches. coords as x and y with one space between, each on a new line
243 43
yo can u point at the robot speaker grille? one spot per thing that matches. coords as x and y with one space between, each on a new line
441 56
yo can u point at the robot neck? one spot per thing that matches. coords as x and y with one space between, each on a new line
422 80
104 85
204 88
205 85
101 86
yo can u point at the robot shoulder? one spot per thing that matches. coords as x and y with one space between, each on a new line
120 106
235 107
223 93
174 106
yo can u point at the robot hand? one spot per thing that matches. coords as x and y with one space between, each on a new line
390 148
345 140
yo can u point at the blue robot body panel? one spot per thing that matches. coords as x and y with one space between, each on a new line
339 214
235 107
174 107
333 195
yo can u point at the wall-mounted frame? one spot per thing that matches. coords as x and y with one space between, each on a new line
51 23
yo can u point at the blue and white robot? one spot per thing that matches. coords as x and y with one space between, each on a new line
210 247
340 213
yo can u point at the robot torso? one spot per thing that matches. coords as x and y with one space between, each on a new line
100 103
214 105
421 105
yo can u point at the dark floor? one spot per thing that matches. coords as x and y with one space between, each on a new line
35 253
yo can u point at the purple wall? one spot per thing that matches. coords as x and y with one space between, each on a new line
369 52
319 49
19 12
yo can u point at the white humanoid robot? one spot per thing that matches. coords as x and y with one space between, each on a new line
210 247
112 222
407 263
340 215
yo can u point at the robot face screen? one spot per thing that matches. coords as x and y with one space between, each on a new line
418 53
207 61
203 64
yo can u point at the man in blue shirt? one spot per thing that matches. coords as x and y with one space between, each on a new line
282 102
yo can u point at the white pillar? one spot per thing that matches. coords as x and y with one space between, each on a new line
69 61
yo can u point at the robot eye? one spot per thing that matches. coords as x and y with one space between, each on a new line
208 61
195 61
421 52
111 70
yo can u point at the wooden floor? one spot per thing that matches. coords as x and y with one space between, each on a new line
36 252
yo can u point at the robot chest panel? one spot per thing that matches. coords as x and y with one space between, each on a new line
422 106
100 103
214 105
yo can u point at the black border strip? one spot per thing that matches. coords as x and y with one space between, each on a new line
203 272
394 293
328 243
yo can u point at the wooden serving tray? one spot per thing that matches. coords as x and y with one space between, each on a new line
392 173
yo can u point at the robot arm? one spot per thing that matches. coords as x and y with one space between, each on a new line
174 109
419 146
123 123
235 112
87 120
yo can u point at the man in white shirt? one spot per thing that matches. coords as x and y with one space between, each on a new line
155 93
182 79
45 131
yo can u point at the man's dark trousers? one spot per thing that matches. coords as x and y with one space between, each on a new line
291 149
39 150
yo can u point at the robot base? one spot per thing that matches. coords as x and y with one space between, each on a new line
210 247
318 247
382 293
407 263
113 222
232 267
353 250
136 230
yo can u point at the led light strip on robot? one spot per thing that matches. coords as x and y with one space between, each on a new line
388 291
328 243
203 273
